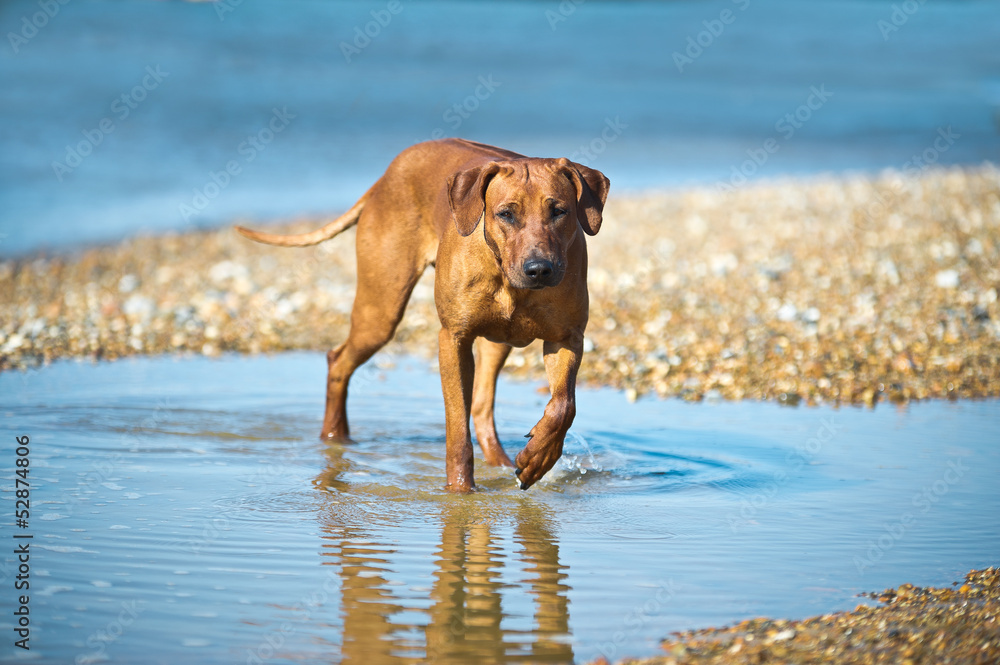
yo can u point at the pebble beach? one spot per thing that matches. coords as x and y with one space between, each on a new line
910 625
843 290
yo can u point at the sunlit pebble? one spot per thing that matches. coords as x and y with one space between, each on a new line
226 270
128 283
946 279
786 312
811 315
13 342
139 307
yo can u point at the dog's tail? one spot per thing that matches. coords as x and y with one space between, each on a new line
342 223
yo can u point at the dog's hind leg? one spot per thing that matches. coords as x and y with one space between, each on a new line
388 269
490 357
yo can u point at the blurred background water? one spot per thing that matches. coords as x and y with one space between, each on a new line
122 117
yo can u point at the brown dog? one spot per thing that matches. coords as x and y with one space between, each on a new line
522 276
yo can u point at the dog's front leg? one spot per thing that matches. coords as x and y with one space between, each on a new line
562 361
457 370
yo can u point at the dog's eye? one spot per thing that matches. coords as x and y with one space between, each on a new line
557 213
506 215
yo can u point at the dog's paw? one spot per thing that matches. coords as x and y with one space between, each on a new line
537 458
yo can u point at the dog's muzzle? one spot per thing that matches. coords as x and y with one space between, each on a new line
540 273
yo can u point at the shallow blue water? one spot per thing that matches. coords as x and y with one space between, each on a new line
182 509
604 78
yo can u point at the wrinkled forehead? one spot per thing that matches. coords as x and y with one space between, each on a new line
530 180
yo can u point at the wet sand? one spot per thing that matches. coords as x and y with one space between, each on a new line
912 625
844 290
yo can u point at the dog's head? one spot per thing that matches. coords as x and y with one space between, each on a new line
532 210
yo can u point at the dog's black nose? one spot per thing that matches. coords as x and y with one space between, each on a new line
538 270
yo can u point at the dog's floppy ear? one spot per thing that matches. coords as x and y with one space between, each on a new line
591 193
467 195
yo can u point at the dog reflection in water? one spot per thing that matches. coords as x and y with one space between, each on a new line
464 622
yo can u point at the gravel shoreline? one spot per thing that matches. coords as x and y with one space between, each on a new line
960 626
834 289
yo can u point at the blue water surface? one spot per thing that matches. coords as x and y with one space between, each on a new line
164 96
184 510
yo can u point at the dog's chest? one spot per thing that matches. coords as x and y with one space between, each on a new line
514 321
504 303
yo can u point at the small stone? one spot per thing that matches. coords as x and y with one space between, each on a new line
139 307
128 283
946 279
787 312
13 342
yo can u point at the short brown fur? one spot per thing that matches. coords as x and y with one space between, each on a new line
504 234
